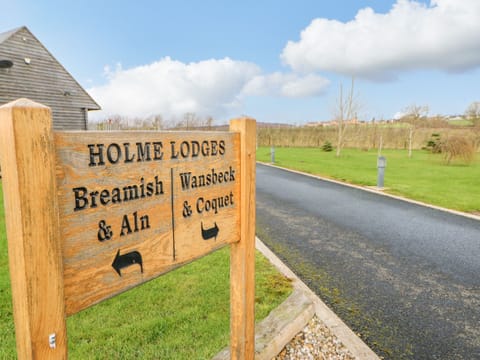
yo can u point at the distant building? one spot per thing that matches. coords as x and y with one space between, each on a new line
28 70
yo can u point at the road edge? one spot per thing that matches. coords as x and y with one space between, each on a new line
290 317
375 190
348 338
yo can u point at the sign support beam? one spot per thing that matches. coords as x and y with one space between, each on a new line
73 201
242 253
32 219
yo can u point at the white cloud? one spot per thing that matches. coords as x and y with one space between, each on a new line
210 87
287 85
398 115
173 88
443 35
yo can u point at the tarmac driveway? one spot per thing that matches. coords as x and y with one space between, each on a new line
403 276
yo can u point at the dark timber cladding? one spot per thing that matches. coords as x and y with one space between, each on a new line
28 70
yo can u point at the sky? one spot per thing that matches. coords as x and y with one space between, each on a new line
276 61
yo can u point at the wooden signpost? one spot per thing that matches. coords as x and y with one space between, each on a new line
92 214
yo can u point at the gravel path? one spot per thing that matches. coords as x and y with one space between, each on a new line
315 341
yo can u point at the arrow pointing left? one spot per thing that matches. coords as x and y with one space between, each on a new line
125 260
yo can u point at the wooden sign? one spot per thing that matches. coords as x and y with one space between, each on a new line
134 205
92 214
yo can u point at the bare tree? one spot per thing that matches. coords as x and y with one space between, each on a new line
473 112
458 147
209 122
138 123
157 122
346 111
413 114
190 120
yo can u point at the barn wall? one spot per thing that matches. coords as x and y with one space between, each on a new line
43 80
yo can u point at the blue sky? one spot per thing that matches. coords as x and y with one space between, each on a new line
277 61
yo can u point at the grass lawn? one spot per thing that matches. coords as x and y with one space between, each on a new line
181 315
424 177
463 122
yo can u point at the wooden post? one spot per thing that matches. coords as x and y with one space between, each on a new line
31 212
242 258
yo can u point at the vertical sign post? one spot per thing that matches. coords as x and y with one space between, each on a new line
242 257
36 272
91 214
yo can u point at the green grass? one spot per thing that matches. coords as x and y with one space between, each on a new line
181 315
7 329
463 122
424 177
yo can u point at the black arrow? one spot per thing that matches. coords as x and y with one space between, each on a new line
210 233
125 260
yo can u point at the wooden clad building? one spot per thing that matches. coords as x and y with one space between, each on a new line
28 70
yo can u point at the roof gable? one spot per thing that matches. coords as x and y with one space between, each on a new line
5 35
36 72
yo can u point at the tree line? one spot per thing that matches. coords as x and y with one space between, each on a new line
188 121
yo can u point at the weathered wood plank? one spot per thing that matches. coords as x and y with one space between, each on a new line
165 198
31 212
92 214
242 258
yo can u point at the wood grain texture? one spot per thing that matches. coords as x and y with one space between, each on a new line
242 258
174 212
92 214
28 176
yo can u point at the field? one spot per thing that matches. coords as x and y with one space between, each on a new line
424 177
181 315
365 136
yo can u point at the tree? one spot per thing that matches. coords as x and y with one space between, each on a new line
189 120
346 111
209 122
473 112
157 122
458 147
413 114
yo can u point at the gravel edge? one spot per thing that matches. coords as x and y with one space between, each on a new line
339 332
315 341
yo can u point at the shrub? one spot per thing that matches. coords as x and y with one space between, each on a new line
434 144
327 146
458 147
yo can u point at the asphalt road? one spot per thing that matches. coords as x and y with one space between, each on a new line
405 277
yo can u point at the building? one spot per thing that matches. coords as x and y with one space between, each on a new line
28 70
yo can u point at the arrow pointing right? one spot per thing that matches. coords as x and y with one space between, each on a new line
210 233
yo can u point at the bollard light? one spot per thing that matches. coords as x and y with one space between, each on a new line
382 162
381 165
